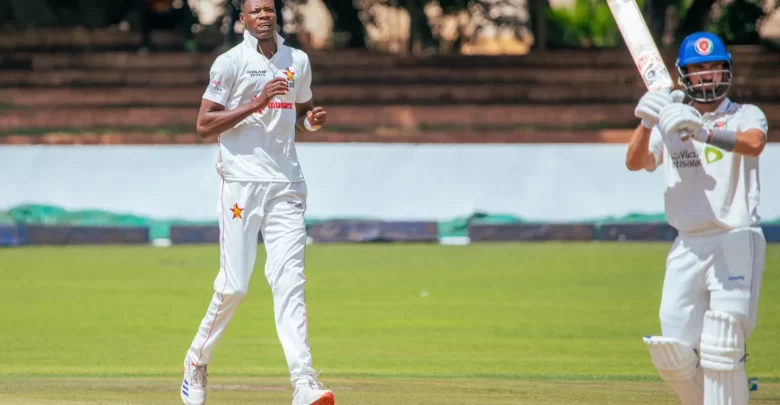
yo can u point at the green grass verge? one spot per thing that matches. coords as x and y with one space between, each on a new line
546 323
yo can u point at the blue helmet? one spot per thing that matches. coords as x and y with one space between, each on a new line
711 85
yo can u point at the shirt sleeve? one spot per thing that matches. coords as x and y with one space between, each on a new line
221 79
753 118
304 93
656 147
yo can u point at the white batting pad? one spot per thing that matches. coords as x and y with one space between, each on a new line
723 360
678 365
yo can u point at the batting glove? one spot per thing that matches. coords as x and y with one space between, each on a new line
701 135
650 105
680 120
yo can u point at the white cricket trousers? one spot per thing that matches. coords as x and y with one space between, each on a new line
720 272
277 211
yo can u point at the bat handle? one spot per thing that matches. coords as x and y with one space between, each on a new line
685 135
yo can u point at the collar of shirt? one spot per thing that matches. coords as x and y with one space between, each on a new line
251 41
724 107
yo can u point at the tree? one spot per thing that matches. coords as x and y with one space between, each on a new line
655 16
483 14
696 17
537 14
737 21
588 24
352 17
420 31
346 19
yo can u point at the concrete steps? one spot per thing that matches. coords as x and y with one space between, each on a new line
556 96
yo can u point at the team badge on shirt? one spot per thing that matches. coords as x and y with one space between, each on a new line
290 77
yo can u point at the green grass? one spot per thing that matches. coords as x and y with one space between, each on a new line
542 323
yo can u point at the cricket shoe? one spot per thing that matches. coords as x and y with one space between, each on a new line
193 387
310 392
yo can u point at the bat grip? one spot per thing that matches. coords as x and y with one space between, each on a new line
685 135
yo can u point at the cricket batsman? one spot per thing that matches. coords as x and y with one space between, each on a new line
259 91
709 149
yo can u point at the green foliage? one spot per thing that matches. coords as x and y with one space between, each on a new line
738 22
453 6
588 24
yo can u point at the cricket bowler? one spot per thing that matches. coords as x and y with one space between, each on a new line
259 91
715 265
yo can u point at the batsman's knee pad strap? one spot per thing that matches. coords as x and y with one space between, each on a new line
722 342
675 360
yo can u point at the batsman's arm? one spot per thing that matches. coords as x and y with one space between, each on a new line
750 142
750 137
752 134
639 156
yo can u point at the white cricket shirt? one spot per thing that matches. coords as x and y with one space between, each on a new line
709 190
262 146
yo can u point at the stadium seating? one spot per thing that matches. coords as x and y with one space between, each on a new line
91 87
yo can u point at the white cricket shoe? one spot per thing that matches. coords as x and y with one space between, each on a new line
310 392
193 387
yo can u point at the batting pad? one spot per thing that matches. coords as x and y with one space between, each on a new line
678 366
723 360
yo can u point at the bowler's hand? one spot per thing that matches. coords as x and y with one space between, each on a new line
317 117
276 87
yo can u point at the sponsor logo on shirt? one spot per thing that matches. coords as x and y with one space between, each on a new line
276 105
216 87
712 154
687 158
295 204
255 73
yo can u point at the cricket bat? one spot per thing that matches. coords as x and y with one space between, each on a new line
640 43
648 60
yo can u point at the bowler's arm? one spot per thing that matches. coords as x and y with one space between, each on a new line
214 120
301 110
212 117
307 116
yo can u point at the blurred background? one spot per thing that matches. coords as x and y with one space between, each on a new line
488 124
444 115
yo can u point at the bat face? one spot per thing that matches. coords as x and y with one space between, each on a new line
653 71
640 43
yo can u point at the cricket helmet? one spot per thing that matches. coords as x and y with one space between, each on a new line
704 47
